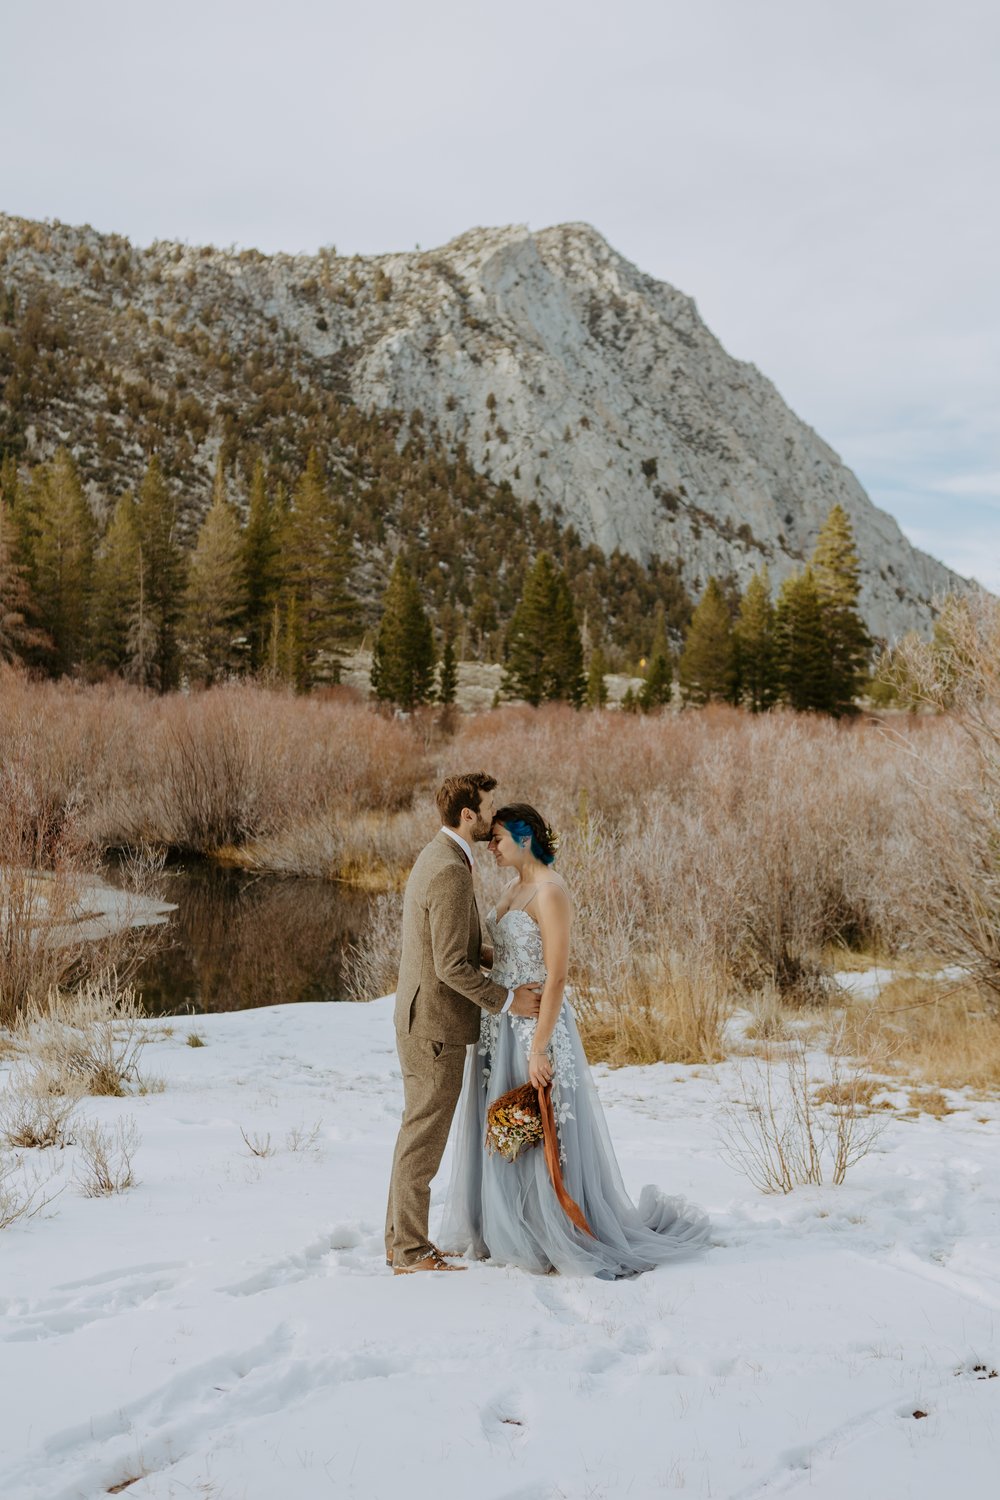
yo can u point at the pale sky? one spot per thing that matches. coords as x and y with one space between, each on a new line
820 175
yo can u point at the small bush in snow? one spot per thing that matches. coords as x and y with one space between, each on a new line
86 1042
786 1132
106 1156
32 1116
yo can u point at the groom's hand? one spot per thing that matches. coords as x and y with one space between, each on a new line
527 1000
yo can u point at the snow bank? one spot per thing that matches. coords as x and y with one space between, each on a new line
228 1328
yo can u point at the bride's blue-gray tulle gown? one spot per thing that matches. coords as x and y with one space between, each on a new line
508 1211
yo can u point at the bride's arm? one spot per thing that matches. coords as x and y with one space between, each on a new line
554 917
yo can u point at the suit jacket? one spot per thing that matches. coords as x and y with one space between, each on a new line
440 985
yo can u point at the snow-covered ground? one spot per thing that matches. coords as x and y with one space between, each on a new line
228 1328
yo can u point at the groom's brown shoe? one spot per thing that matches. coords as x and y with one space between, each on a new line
429 1263
444 1254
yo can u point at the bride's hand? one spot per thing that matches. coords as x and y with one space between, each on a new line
539 1070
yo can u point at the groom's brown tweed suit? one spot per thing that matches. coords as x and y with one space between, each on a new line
438 1001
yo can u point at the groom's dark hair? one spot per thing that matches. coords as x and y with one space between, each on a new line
462 791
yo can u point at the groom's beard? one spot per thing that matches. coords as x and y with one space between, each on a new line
482 833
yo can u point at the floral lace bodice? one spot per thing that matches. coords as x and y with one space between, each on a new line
517 948
518 959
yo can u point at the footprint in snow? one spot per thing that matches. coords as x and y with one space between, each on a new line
76 1304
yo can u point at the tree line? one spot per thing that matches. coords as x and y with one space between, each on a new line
808 650
279 578
270 597
268 590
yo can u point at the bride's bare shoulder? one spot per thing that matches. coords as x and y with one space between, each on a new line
553 894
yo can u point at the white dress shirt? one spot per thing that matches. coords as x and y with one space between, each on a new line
458 839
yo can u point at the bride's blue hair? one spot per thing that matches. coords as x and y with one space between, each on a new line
528 826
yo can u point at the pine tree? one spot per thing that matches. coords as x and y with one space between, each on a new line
215 597
630 703
803 647
159 594
544 651
567 648
597 688
115 588
660 644
289 650
62 557
655 691
261 565
707 669
447 685
837 572
317 565
19 637
403 656
756 647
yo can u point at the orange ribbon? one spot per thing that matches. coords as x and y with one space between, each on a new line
551 1145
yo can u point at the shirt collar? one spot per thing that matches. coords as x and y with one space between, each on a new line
458 839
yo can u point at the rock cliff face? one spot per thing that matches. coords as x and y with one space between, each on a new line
600 392
593 389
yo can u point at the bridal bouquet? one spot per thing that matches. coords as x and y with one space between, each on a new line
514 1122
522 1118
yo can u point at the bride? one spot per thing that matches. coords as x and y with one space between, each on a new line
507 1210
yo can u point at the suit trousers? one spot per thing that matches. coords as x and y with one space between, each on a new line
432 1083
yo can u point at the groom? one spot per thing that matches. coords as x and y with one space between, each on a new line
438 999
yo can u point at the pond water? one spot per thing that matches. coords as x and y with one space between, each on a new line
239 940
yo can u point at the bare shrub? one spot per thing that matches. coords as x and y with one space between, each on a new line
31 1115
370 850
86 1042
303 1137
22 1194
953 899
743 844
373 962
224 767
47 926
784 1132
106 1157
258 1144
238 764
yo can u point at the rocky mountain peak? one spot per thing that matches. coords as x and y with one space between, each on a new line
599 392
558 366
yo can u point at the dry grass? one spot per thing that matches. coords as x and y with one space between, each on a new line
31 1116
85 1042
677 1015
857 1091
929 1102
935 1030
768 1021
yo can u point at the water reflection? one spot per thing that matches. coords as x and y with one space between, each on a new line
239 940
